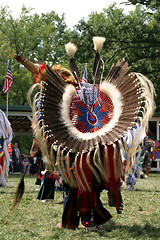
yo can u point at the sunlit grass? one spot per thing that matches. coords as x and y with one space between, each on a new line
33 219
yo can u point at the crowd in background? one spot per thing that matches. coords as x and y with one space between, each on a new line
21 162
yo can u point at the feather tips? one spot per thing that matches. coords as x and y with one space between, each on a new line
71 49
148 93
98 42
32 67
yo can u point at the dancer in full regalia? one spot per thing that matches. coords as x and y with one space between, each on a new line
80 129
5 139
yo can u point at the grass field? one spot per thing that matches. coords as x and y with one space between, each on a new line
33 219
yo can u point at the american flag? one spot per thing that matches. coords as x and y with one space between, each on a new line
9 81
84 79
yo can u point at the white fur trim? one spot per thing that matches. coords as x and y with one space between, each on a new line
111 91
70 49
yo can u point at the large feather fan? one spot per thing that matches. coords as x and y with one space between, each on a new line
80 118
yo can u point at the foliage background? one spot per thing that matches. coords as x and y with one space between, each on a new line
134 36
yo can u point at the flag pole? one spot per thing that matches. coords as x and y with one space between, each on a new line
8 84
7 106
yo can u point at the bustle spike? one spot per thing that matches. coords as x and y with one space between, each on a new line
32 67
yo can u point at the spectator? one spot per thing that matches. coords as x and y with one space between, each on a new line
10 154
26 164
16 158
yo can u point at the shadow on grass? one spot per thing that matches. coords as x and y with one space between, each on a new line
132 231
9 190
14 175
112 230
144 190
2 192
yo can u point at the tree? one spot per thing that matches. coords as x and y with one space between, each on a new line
154 4
134 36
36 37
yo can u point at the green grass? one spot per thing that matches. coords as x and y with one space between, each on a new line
33 219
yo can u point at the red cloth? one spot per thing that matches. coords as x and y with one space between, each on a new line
10 148
84 196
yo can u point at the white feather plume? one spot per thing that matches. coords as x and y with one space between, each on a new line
98 42
70 49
